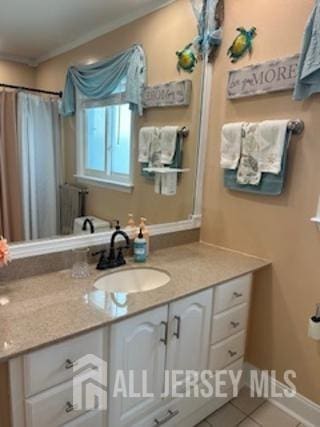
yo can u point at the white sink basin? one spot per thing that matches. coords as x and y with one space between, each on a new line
133 280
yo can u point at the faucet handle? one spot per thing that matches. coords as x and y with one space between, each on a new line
120 258
103 260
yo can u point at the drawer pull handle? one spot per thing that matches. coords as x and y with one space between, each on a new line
232 353
171 414
69 407
237 295
69 364
165 339
177 333
235 324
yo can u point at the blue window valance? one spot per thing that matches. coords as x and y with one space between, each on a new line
101 79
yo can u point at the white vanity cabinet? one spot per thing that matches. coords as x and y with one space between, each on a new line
206 330
189 330
138 345
43 381
167 338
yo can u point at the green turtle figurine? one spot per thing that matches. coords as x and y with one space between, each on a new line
187 59
242 43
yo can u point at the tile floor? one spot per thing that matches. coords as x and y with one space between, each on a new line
245 411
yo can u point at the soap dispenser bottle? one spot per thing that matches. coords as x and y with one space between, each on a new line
140 248
145 232
131 227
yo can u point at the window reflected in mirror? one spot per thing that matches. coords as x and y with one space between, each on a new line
100 161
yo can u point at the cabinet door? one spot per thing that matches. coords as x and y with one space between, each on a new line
137 344
189 332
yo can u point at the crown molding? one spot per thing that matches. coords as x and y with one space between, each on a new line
19 59
86 38
105 29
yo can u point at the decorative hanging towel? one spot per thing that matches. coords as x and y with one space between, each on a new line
101 79
209 24
308 81
270 184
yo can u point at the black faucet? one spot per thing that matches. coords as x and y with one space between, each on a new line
84 226
113 260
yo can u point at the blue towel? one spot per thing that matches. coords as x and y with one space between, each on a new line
270 184
308 80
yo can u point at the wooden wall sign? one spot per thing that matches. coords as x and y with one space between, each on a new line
172 94
271 76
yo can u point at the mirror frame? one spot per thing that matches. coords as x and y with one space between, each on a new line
60 244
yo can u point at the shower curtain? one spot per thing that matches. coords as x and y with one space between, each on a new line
11 224
40 149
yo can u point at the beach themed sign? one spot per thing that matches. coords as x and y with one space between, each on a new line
171 94
271 76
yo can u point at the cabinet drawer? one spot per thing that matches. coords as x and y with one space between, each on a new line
225 384
163 417
91 419
227 351
229 323
233 293
52 407
50 366
171 414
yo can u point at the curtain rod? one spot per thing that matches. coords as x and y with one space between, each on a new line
29 89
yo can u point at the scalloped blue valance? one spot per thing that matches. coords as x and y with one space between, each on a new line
101 79
210 35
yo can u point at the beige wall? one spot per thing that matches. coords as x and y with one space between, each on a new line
17 74
161 34
277 227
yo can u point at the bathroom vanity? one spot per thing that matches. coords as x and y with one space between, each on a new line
195 322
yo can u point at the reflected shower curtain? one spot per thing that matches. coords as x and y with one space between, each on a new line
11 224
40 140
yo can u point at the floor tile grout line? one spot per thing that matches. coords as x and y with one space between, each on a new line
250 413
258 407
251 419
241 410
247 416
242 420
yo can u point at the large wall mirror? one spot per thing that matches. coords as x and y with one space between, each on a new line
103 162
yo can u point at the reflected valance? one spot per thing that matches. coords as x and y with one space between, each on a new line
210 33
101 79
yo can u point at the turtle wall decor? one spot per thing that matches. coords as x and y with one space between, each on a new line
187 58
242 43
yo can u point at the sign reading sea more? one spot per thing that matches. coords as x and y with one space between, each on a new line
271 76
168 94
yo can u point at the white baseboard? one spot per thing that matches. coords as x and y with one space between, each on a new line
306 411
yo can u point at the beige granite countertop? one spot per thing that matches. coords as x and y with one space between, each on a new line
41 310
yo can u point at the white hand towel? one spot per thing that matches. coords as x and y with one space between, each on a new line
248 171
271 136
168 140
231 145
155 149
146 136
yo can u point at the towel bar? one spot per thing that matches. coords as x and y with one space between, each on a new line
184 132
296 126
